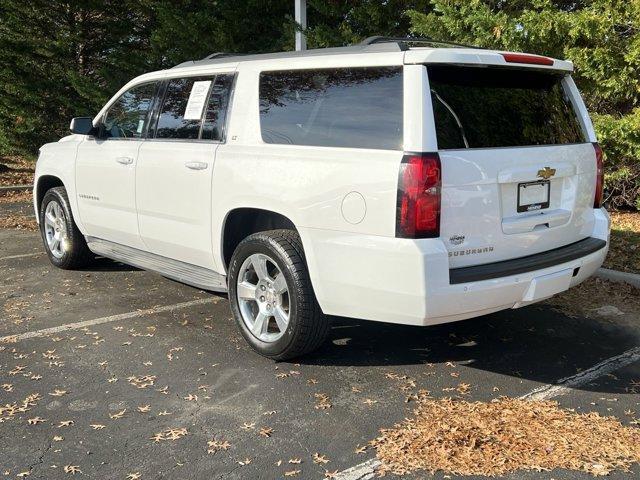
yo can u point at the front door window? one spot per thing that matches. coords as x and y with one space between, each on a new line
128 116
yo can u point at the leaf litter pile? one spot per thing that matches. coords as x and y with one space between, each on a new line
505 435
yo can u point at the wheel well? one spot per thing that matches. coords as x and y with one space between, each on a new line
46 182
243 222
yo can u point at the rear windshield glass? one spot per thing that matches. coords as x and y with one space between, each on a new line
498 107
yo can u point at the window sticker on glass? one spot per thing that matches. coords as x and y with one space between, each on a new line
197 99
140 126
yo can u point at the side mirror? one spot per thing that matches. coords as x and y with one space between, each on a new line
82 126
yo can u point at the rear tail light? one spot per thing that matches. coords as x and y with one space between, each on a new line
419 185
527 58
597 203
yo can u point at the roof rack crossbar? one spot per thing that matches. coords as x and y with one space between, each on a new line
403 41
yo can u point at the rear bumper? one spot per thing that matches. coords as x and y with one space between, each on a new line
409 282
530 263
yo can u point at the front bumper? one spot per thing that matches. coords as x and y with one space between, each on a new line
409 282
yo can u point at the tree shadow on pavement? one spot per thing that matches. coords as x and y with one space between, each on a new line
536 343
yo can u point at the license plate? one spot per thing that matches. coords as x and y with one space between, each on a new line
533 196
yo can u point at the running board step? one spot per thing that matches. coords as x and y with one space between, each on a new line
193 275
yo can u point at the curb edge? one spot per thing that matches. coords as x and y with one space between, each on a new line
616 276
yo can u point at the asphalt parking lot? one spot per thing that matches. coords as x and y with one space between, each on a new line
125 374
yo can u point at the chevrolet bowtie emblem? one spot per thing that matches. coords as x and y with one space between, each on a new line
547 173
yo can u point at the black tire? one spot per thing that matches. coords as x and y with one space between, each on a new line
308 326
76 254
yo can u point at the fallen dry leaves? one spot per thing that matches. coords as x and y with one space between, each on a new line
463 388
217 445
585 299
16 196
142 381
11 409
322 401
118 415
505 435
58 393
169 434
72 469
319 459
16 170
173 350
18 222
624 249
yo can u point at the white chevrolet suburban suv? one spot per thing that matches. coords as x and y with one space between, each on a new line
398 180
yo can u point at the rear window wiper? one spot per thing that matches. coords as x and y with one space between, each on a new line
453 114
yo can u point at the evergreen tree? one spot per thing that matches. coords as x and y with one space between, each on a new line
63 59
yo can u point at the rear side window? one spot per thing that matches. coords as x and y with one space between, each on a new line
345 107
194 108
498 107
180 115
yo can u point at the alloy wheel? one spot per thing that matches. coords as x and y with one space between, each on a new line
263 297
55 229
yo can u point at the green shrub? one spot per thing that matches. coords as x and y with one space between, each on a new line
620 140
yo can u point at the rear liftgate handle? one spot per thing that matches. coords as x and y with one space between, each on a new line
124 160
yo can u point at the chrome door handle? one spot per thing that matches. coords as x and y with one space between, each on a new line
196 165
124 160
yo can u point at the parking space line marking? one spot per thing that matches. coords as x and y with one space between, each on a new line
363 471
24 255
110 318
564 385
367 470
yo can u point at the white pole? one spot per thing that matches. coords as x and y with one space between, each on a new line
301 20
